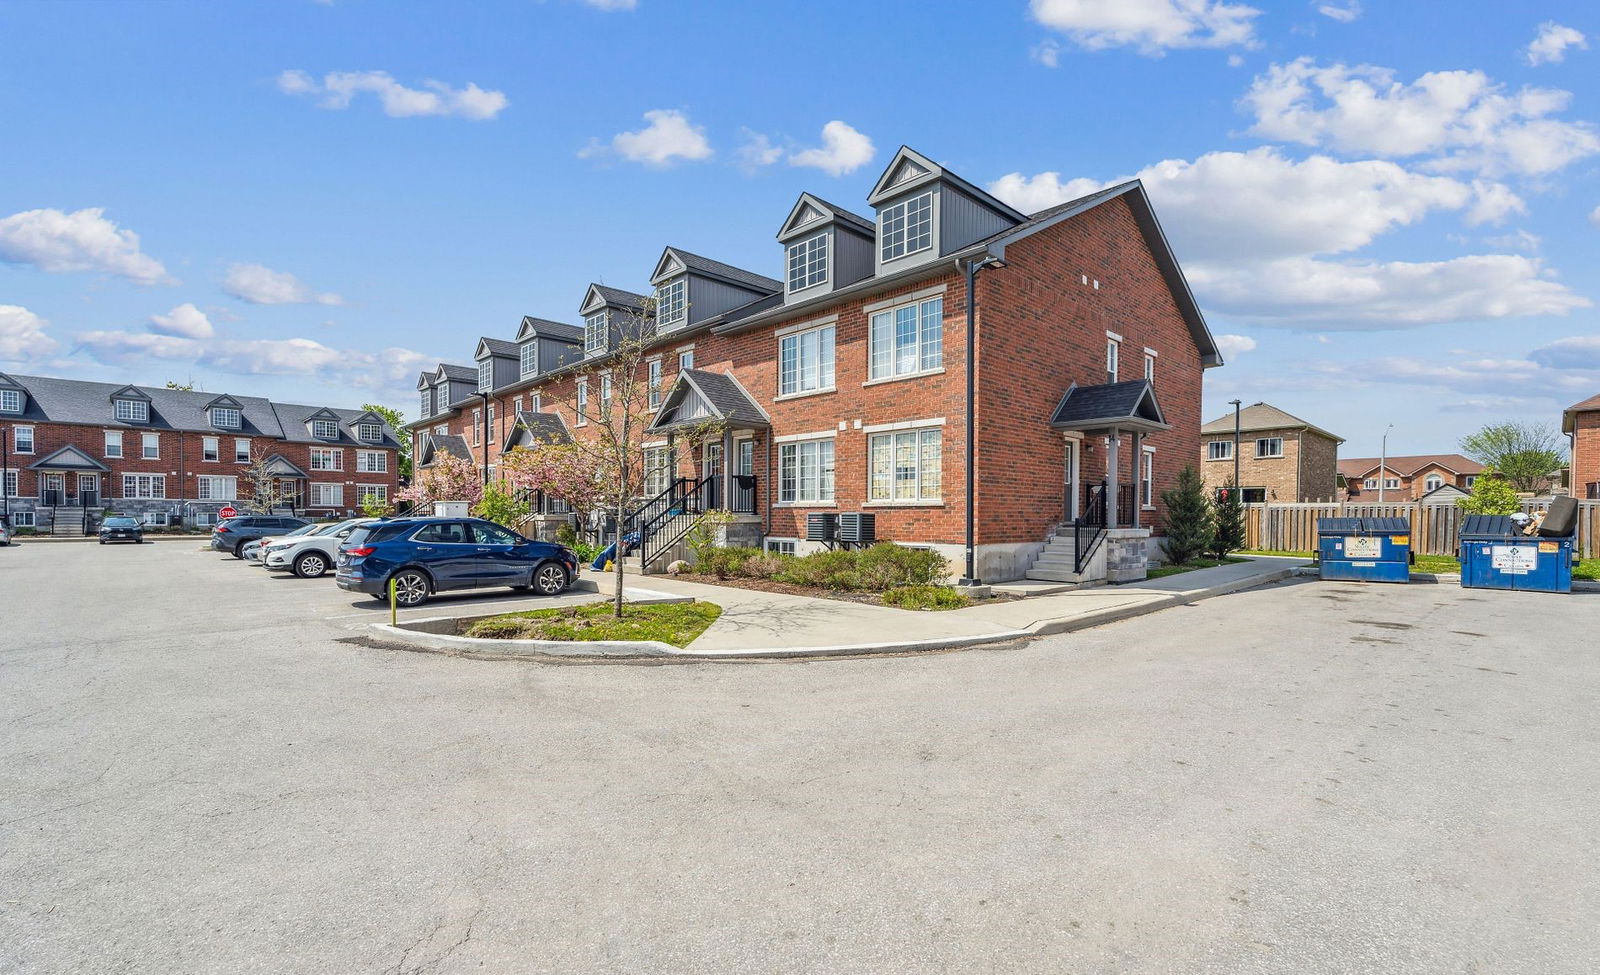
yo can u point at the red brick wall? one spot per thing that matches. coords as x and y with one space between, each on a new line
1585 452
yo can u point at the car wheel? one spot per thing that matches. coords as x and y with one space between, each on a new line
238 551
311 565
550 579
410 588
102 541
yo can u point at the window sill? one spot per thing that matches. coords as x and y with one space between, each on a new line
802 395
805 504
910 375
902 504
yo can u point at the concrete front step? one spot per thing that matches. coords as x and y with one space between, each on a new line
1053 574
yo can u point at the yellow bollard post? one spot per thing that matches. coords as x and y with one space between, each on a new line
392 620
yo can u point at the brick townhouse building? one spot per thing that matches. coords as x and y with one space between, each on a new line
1281 457
1407 478
842 387
173 456
1581 423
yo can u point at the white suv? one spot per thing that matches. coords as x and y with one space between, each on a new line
309 556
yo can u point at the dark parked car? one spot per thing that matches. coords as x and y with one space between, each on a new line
119 528
231 533
428 555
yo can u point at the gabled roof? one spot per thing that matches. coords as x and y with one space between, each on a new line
1130 405
6 382
435 445
490 347
910 169
599 295
68 458
1569 416
1262 416
545 328
1406 466
530 428
129 392
280 466
675 260
322 414
459 373
225 401
721 395
1445 493
295 420
425 379
54 400
811 211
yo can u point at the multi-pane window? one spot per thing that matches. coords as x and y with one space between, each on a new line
10 401
535 404
427 404
373 493
906 227
1219 450
657 470
528 354
327 495
805 472
113 443
486 375
654 370
672 303
22 519
1150 366
324 429
144 485
217 489
805 361
22 440
908 339
1370 484
905 466
686 359
808 262
241 451
594 332
372 462
1147 479
1269 447
11 484
1113 357
327 459
1433 483
151 446
1391 483
210 449
605 391
477 427
369 432
780 546
133 410
583 402
226 417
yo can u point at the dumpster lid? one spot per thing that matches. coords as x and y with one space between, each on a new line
1387 526
1363 526
1339 526
1478 527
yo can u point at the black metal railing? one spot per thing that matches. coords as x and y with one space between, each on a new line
672 514
1089 528
744 494
1126 497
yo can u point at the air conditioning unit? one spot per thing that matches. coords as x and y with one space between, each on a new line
858 528
822 526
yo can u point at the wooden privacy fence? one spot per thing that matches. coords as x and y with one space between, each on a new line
1435 528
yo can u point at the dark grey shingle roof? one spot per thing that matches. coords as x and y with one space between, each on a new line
847 216
294 418
549 329
79 401
538 427
499 347
617 296
68 458
726 396
450 444
1132 402
459 373
281 466
738 275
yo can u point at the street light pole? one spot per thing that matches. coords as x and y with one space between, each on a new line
1235 444
1383 462
971 267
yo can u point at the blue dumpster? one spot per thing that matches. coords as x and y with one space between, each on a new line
1495 554
1364 549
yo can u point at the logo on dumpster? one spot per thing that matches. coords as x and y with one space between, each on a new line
1513 559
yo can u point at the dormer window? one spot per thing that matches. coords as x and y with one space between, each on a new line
906 227
225 416
486 375
324 429
369 432
10 401
427 404
672 305
594 332
529 352
808 262
133 411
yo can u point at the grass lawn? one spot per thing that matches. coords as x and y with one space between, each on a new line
673 623
1587 569
1172 570
1438 564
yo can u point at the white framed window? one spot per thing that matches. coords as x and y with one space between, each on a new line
150 446
212 488
907 340
686 359
605 391
906 465
133 410
486 375
22 519
1471 479
805 472
780 546
210 449
241 450
583 402
535 404
324 495
653 369
1150 365
324 429
1219 450
516 406
594 331
153 518
805 361
327 459
22 440
11 484
1433 482
226 417
808 262
1147 478
442 429
10 401
528 357
477 426
657 470
369 432
906 227
427 404
1391 484
1113 359
144 485
372 462
672 304
367 493
113 443
1269 447
1370 484
491 417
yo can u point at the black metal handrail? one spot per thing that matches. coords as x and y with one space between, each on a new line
689 500
1089 528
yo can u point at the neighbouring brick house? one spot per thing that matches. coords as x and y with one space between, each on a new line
1281 457
174 456
1407 478
1581 422
842 386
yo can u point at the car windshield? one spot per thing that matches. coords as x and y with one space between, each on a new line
340 526
303 530
121 523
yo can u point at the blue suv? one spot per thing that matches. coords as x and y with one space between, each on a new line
428 555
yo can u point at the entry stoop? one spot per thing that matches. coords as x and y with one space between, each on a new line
1058 561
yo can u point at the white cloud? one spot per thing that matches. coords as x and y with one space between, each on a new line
1030 194
1151 26
184 321
611 6
1343 13
843 150
22 337
1594 216
669 137
757 150
1551 43
1047 52
83 240
261 285
338 89
1575 352
1455 120
1234 344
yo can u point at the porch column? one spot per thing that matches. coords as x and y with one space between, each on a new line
727 469
1113 444
1138 479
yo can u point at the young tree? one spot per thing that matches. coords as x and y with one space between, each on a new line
500 506
1526 454
396 421
1187 521
1228 535
267 490
1491 495
451 478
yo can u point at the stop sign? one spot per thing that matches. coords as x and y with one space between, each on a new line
227 511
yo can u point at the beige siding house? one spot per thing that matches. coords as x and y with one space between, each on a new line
1281 457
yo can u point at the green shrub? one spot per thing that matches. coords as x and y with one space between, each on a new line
925 597
764 566
568 536
887 565
724 563
824 570
1491 495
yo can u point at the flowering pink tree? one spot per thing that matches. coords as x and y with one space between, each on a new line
450 478
565 472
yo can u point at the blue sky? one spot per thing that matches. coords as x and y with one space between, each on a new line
1391 211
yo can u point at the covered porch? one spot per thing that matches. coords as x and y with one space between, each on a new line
722 427
70 478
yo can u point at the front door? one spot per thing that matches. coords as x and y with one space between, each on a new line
89 490
55 490
744 495
711 466
1070 477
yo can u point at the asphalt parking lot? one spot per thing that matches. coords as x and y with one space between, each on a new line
199 772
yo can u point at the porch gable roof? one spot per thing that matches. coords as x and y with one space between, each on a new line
699 394
68 458
280 466
1126 405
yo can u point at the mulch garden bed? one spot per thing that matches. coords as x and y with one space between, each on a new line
789 589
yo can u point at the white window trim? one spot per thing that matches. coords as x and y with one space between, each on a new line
523 367
793 332
590 345
933 227
241 445
317 502
1149 504
138 411
581 394
145 439
1277 456
794 437
937 421
1226 456
338 459
681 316
897 300
799 502
215 449
113 436
767 542
890 430
1113 336
10 396
915 300
788 264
